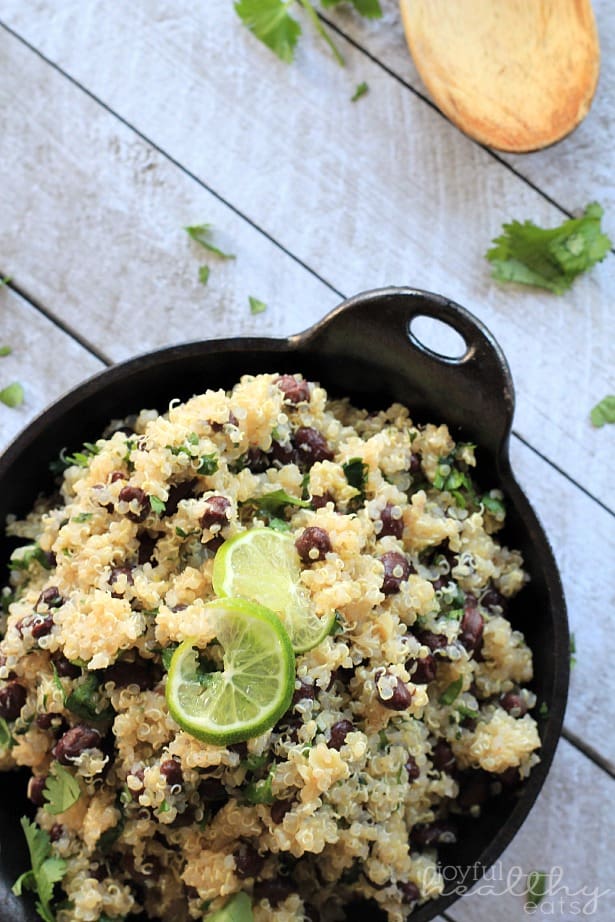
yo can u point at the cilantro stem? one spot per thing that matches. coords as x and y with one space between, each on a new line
314 17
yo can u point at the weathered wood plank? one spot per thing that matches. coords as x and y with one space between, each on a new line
396 195
44 359
569 835
583 540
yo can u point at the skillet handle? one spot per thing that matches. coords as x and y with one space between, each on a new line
474 391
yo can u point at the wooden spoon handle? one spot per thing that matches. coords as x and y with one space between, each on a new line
516 75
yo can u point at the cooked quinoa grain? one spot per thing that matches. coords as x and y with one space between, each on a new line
405 716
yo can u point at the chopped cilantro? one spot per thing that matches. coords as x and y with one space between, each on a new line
536 889
82 517
167 655
12 395
320 29
256 306
451 691
203 274
275 500
256 763
259 792
5 280
356 471
109 837
5 350
201 233
158 506
360 91
6 739
46 871
573 650
551 258
208 465
22 557
603 412
57 682
271 23
543 710
493 505
371 9
83 700
278 524
467 712
61 790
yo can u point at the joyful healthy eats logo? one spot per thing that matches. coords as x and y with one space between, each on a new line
544 894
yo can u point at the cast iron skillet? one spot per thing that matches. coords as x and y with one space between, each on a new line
363 349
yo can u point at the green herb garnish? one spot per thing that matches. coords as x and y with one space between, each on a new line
167 655
6 740
12 395
61 790
204 274
536 889
275 500
603 412
551 258
109 837
83 700
259 792
82 517
46 871
158 506
543 710
5 350
22 557
360 91
208 465
256 306
356 471
451 691
573 650
201 234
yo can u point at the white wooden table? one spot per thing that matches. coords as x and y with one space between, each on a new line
121 123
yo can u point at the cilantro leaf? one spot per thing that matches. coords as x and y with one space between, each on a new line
61 790
208 465
549 258
5 350
203 274
259 792
604 411
12 395
158 506
536 888
371 9
46 871
22 557
256 306
315 20
271 23
361 90
5 735
451 691
356 471
201 233
84 700
275 500
167 655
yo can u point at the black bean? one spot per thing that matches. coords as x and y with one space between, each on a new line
310 913
410 893
56 832
412 768
425 670
442 757
313 544
216 511
392 521
279 809
400 699
248 862
509 778
35 789
74 742
171 771
431 640
258 461
276 890
117 475
415 463
438 833
241 749
232 421
396 571
147 544
130 494
473 789
342 675
150 867
305 691
491 598
64 667
311 447
140 774
12 699
50 597
177 493
211 790
514 704
294 391
41 625
284 454
116 572
339 732
471 627
124 673
318 502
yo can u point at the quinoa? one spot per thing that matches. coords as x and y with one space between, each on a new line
411 712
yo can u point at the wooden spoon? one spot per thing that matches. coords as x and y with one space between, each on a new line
516 75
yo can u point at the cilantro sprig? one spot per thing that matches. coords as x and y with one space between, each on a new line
271 22
549 258
46 870
536 889
61 790
603 412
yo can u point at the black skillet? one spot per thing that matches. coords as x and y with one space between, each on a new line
364 349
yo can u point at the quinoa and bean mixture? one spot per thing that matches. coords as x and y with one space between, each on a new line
412 711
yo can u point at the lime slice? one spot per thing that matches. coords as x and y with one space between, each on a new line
263 564
253 689
238 909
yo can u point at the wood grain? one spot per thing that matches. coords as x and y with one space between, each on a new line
380 192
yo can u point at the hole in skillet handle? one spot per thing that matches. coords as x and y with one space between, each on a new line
438 338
